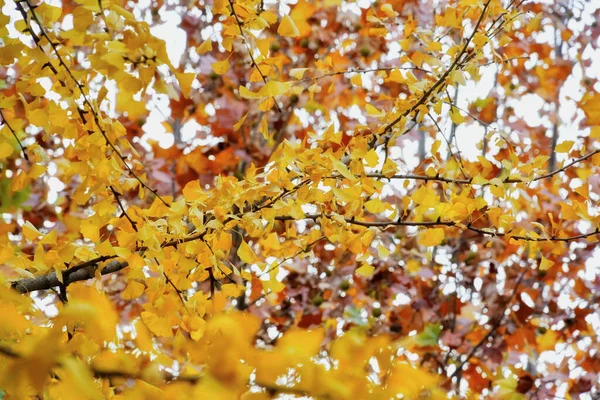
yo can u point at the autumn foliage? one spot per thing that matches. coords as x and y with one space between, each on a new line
325 199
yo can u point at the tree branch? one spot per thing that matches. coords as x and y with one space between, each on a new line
80 87
481 231
51 280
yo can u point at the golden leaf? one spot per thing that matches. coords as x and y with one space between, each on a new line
185 81
431 237
157 325
564 147
365 270
221 67
205 47
287 27
246 253
545 264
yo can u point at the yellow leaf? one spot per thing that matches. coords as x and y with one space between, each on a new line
301 12
375 206
272 286
157 325
185 82
287 27
371 158
431 237
410 381
547 341
589 105
49 14
205 47
13 322
90 231
50 238
221 67
545 264
78 381
92 311
298 73
30 232
343 170
435 147
396 76
388 10
246 253
6 149
239 124
356 80
219 7
270 89
301 342
365 270
274 88
564 147
382 251
372 111
133 290
456 116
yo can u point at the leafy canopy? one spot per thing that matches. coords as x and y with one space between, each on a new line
284 207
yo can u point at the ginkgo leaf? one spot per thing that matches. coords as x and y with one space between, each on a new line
589 105
456 116
274 88
50 14
287 27
30 232
221 67
90 231
238 125
185 81
564 147
272 285
388 10
157 325
375 206
298 73
365 270
545 264
50 238
219 7
133 290
356 80
371 158
343 170
270 89
205 47
6 149
431 237
246 253
300 14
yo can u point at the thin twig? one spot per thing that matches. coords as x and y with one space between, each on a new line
239 24
5 121
123 212
481 231
360 71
